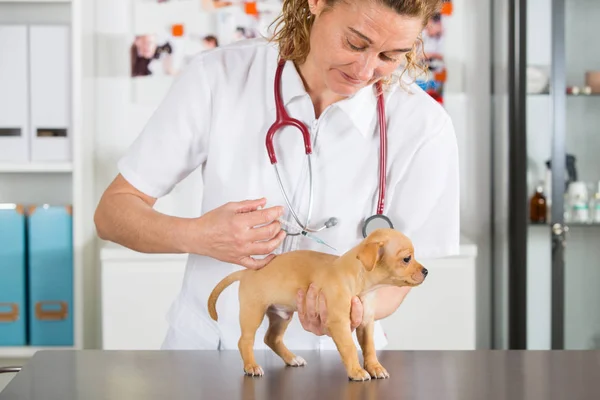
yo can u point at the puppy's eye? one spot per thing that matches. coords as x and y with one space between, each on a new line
407 259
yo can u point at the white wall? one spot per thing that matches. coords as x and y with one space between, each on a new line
468 103
118 119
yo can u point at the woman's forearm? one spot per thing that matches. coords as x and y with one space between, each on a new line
128 220
388 300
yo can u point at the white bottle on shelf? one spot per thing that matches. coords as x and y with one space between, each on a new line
595 206
578 199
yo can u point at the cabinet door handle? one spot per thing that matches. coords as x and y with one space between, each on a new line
11 315
43 314
557 229
560 233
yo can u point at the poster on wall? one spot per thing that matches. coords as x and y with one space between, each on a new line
246 20
151 55
433 54
167 34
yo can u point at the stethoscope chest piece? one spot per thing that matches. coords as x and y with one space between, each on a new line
374 222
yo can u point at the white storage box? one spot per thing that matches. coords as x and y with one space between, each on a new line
50 72
14 137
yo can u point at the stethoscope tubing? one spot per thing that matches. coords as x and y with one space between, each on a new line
310 199
283 119
382 149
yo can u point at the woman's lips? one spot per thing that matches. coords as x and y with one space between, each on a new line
350 79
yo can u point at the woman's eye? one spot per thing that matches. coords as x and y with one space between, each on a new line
386 58
407 259
353 47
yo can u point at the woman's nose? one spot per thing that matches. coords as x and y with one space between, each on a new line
366 67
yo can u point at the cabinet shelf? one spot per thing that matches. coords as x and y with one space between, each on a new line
27 351
569 224
35 167
595 95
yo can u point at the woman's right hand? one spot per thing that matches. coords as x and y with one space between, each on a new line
231 233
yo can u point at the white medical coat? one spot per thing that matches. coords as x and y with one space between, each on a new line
216 116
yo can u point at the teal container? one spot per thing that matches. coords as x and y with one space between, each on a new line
13 306
50 273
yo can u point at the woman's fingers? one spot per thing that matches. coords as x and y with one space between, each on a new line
261 248
262 216
254 263
308 310
247 205
264 232
356 313
311 304
323 314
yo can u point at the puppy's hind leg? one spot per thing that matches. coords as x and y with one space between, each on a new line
278 323
251 317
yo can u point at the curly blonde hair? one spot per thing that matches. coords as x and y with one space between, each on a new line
292 29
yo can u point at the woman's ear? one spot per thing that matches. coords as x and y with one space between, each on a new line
369 254
316 6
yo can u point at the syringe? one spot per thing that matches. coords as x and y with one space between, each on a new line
307 234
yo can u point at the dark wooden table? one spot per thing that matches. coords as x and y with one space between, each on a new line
439 375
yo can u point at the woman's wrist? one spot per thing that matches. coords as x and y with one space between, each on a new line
187 238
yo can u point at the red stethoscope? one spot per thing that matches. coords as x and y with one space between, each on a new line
283 119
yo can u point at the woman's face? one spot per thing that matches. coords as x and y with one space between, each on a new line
357 43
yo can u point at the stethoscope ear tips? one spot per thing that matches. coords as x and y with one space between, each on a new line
331 222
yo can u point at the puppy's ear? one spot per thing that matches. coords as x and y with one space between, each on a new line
369 254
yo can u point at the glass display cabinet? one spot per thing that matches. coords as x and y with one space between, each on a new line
546 174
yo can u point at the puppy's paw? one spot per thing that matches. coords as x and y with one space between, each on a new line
377 371
296 361
359 374
253 370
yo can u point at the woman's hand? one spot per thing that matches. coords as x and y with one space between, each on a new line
237 231
312 311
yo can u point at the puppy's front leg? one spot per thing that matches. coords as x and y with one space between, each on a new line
339 329
365 336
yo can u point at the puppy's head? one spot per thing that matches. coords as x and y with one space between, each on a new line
389 254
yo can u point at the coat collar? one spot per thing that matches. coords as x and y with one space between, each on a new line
360 108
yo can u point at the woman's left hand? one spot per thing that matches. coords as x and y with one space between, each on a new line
312 311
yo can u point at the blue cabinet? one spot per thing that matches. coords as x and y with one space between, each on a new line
13 306
50 275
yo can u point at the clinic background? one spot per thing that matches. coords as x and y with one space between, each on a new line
130 52
125 55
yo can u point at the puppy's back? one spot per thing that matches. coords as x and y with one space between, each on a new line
278 281
303 261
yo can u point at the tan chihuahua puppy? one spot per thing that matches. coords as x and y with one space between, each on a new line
384 258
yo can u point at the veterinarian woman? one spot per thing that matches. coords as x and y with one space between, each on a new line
216 117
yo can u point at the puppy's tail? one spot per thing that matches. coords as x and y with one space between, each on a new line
214 295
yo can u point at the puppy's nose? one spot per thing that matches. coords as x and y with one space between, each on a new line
424 271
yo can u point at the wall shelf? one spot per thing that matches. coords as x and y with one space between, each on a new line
70 182
35 167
